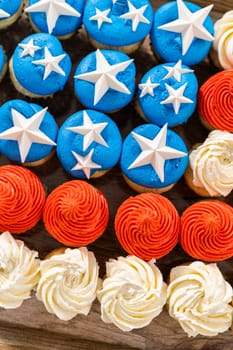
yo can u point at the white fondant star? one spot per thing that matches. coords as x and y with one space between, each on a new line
51 63
85 163
101 17
104 77
155 152
135 15
26 132
91 131
53 9
176 97
147 87
189 25
29 48
4 14
176 71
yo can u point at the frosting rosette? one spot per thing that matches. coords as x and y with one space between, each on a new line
133 293
215 101
147 225
22 199
199 299
69 282
207 230
19 271
76 213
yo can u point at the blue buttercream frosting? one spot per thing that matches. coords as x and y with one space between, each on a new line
10 6
105 155
2 60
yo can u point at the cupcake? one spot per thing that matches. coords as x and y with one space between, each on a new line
28 132
147 225
105 80
3 63
167 93
22 199
210 171
207 230
58 17
76 213
182 30
133 293
39 66
19 271
89 144
69 282
215 101
199 299
105 19
10 11
153 159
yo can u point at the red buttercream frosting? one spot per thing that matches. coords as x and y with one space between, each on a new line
22 199
76 213
207 230
147 225
215 101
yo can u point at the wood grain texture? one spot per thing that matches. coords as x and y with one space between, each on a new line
30 326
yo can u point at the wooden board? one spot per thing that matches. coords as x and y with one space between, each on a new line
30 326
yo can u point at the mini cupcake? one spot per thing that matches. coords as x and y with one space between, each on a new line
119 25
210 173
10 11
89 144
105 80
153 159
58 17
207 230
199 299
69 282
3 63
215 101
147 226
19 271
22 199
167 94
28 132
133 293
76 213
182 30
39 66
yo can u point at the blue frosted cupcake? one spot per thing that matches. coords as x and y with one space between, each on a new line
39 66
105 80
58 17
3 63
153 159
182 30
28 132
89 144
119 24
167 93
10 11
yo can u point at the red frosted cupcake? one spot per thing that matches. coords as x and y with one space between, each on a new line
207 230
22 199
147 225
76 213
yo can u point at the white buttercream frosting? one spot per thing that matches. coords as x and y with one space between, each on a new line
199 299
133 293
212 163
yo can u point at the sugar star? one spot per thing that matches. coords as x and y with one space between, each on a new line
4 14
29 48
135 15
147 87
176 71
85 163
51 63
176 97
101 17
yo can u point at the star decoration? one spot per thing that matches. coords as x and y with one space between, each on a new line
189 25
51 63
155 152
101 17
147 87
176 71
135 15
53 9
26 132
4 14
104 77
29 48
91 131
85 163
176 97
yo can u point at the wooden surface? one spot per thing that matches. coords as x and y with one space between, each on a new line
30 326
